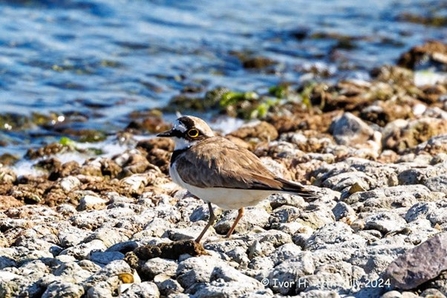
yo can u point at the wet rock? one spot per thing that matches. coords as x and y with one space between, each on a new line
258 130
383 112
7 175
151 122
48 150
419 264
7 202
401 134
434 51
257 62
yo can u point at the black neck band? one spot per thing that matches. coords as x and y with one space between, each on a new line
176 154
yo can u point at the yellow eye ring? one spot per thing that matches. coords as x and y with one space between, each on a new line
193 133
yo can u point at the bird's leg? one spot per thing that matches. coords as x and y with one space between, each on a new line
240 213
209 224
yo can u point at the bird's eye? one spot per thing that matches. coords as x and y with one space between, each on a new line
193 133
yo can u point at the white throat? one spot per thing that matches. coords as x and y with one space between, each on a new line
181 143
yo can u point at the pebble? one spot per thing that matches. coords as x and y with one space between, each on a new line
419 264
380 216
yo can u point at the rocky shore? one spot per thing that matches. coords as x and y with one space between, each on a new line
375 151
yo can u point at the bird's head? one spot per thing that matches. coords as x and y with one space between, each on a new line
187 131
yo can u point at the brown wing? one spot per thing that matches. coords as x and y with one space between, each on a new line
217 162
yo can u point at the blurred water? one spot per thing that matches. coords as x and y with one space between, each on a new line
100 59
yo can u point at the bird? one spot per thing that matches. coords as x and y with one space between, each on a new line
220 172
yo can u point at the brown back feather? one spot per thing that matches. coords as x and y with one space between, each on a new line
212 163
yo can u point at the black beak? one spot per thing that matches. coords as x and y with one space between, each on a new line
165 134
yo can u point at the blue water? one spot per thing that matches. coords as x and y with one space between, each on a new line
100 60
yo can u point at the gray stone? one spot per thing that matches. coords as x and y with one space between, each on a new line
108 236
379 175
437 183
253 217
72 271
260 248
70 236
285 252
230 289
438 216
317 217
239 255
344 181
342 210
70 183
284 214
202 212
6 261
260 267
105 257
83 250
196 270
432 293
283 278
169 286
155 227
91 202
333 234
419 264
320 294
392 294
419 210
385 222
278 200
390 197
145 289
350 130
275 238
136 183
61 289
208 269
155 266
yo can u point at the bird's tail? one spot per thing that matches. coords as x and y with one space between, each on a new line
298 189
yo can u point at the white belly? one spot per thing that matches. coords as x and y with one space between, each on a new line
225 198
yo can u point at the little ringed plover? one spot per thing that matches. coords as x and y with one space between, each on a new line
218 171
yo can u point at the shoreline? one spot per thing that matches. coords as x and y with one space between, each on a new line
377 150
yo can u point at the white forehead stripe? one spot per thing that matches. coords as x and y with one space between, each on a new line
179 126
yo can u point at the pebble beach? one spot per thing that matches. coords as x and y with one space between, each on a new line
375 151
